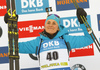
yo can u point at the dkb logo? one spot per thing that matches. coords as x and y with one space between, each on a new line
52 43
31 6
0 32
72 24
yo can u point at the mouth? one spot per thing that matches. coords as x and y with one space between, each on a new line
50 28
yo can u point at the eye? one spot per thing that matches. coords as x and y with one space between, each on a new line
54 23
48 22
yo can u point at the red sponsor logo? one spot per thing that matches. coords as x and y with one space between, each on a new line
85 51
3 8
30 28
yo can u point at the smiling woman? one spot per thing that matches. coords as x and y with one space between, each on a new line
51 26
54 43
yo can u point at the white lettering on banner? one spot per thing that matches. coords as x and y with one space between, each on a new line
31 28
45 45
71 23
3 7
24 10
41 9
39 3
88 47
32 10
56 42
31 3
52 43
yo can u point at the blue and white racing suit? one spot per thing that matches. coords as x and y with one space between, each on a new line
53 52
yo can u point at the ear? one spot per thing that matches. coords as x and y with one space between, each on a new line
58 28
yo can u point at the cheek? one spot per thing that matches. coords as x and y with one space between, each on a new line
45 26
56 27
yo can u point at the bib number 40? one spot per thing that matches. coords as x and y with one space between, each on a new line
52 55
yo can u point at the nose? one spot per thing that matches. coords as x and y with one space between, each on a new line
50 24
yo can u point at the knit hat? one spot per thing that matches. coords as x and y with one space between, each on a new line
54 17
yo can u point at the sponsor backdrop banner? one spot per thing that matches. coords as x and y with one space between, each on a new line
31 6
31 21
4 55
30 28
68 4
3 7
72 24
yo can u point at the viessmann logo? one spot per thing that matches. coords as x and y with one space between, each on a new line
30 28
85 51
68 4
31 6
3 8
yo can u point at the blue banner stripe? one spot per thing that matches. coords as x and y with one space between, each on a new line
67 68
31 69
4 55
68 5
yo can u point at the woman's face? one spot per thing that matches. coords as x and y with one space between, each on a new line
51 27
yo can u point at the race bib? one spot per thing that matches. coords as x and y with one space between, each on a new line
54 55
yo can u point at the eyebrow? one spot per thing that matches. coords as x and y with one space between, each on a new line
53 21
